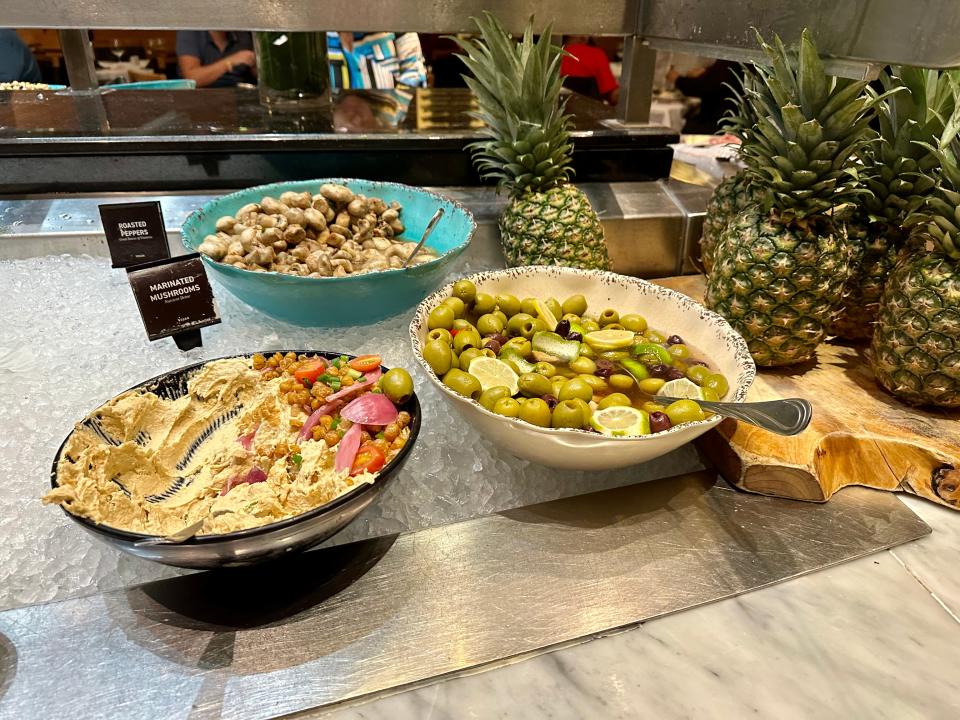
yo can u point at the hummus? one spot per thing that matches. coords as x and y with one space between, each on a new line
231 423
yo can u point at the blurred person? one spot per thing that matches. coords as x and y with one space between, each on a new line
710 84
586 70
382 60
216 58
17 63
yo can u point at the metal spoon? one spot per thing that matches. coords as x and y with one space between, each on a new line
426 233
181 535
783 417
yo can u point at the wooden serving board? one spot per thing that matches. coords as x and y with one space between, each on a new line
859 435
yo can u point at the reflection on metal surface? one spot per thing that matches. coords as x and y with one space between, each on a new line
383 613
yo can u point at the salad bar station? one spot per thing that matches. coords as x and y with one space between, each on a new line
300 420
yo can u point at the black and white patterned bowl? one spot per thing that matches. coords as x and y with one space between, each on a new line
667 310
254 545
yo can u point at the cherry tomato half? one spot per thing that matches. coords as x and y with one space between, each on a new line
310 370
369 459
365 363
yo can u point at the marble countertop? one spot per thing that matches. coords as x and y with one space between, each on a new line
875 638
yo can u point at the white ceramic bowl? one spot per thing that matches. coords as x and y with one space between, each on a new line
666 310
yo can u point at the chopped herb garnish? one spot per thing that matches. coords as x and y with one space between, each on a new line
335 423
380 436
307 384
250 507
328 378
297 458
362 378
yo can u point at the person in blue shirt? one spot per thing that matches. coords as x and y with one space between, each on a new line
215 58
16 61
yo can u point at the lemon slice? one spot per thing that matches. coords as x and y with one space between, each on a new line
620 421
682 388
494 373
548 317
609 339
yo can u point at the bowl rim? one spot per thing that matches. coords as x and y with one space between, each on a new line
741 351
383 475
193 218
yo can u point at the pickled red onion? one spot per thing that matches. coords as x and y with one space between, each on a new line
370 409
315 416
247 440
347 449
372 378
253 475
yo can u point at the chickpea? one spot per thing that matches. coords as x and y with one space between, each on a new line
296 423
326 422
331 437
391 431
259 361
403 419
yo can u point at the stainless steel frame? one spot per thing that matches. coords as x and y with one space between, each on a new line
861 35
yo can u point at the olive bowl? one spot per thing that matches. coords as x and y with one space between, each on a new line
359 299
256 544
667 310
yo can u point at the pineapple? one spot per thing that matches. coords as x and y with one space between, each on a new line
781 264
734 193
527 149
916 345
891 171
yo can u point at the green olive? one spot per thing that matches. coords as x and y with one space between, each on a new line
557 382
536 412
459 307
586 409
589 325
489 325
483 304
534 385
614 326
583 366
654 336
620 381
576 388
467 357
679 351
529 306
440 317
575 304
709 394
680 365
652 407
565 372
488 352
454 358
571 318
698 373
633 323
463 324
718 383
531 328
440 334
515 323
465 339
463 383
614 400
597 384
615 355
397 385
500 316
609 316
546 369
465 290
567 414
509 304
587 351
490 396
521 345
554 306
651 385
438 356
683 411
508 407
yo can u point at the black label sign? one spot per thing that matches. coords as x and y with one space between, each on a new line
135 232
173 295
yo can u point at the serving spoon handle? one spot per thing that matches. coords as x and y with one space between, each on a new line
783 417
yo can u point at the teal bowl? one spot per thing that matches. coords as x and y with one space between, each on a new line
340 301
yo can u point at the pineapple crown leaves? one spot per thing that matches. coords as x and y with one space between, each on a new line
898 160
938 221
526 132
809 127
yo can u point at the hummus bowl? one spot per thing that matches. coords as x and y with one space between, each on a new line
576 449
244 546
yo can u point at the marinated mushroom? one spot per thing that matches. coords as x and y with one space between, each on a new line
334 232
